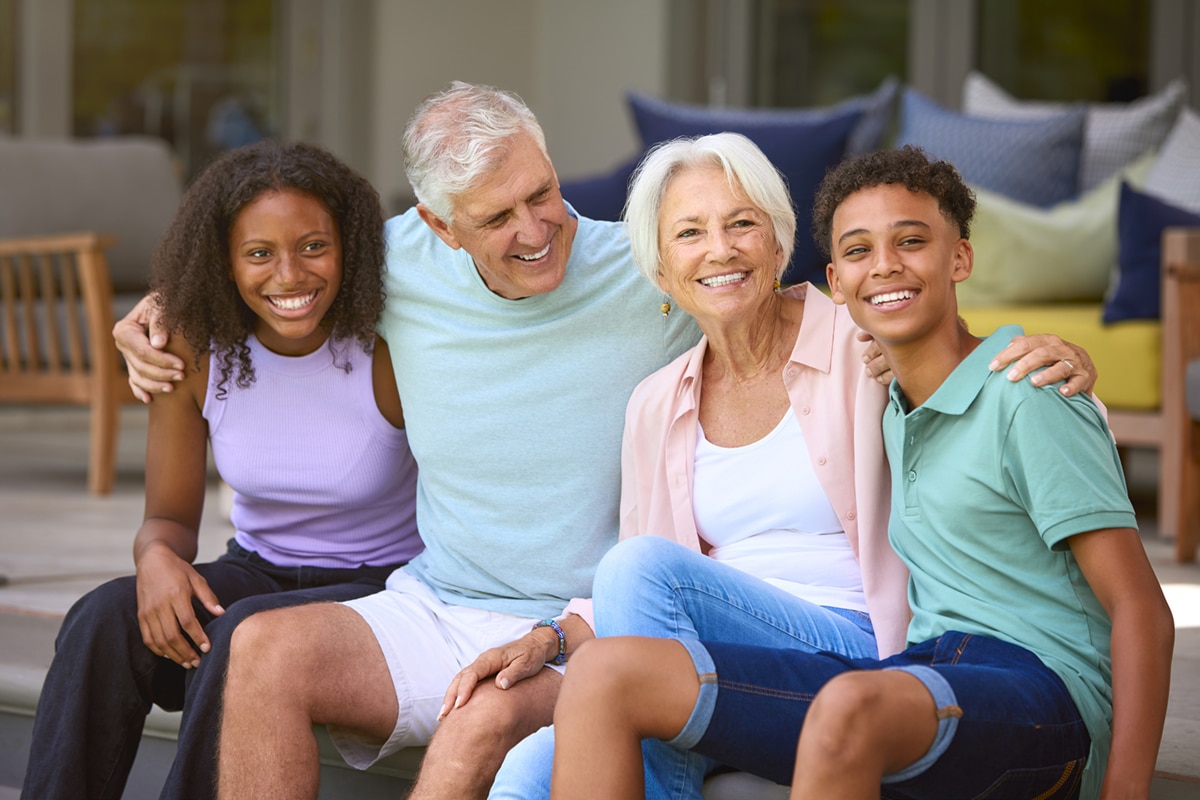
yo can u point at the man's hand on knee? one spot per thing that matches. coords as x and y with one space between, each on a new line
510 663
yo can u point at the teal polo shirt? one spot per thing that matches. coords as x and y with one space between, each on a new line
989 480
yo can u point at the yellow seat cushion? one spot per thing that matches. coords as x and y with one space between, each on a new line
1127 355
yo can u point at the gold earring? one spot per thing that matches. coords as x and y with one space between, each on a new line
665 308
777 284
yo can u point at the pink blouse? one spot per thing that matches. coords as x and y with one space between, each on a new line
839 409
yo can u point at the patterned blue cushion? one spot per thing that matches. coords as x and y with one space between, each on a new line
1035 161
1115 134
1175 177
1141 219
802 143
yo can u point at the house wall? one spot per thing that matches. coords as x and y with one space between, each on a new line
571 61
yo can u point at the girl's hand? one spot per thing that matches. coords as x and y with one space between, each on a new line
166 586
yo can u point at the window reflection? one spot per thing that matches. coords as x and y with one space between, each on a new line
8 66
199 73
1096 50
824 51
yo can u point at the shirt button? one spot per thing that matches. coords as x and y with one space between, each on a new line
912 475
821 461
805 410
851 515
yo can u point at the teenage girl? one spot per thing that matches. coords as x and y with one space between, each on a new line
271 272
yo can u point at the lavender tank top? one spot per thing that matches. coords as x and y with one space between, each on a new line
319 477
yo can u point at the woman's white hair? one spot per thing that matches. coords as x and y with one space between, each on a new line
457 135
746 168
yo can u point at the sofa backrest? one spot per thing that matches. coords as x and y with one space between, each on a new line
127 186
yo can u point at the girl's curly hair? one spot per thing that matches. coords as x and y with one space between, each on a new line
191 271
907 166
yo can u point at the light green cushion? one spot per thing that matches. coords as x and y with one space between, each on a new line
1026 254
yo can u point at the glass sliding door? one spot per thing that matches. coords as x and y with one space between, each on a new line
201 74
1097 50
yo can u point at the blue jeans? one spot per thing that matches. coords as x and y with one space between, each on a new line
650 586
103 679
1018 733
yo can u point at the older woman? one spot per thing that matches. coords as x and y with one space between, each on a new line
755 460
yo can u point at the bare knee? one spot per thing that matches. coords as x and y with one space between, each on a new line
266 648
599 668
252 647
843 716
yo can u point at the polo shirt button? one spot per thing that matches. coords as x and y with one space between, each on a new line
851 515
912 475
821 461
805 410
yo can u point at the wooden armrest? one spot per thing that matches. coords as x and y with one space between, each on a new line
1179 470
44 278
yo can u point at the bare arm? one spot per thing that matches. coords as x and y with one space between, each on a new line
166 543
383 378
1143 636
142 340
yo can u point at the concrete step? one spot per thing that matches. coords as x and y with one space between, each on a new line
28 647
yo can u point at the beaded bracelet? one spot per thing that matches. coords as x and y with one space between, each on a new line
561 658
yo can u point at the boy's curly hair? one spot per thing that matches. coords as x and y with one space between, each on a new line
191 271
907 166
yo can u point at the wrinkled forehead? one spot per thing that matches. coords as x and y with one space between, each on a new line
516 175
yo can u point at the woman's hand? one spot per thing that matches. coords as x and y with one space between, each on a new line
141 337
1063 362
166 585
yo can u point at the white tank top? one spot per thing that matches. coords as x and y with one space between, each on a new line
764 512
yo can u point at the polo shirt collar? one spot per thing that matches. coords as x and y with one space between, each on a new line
963 385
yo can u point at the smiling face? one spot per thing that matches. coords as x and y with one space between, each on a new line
286 258
514 224
718 253
895 260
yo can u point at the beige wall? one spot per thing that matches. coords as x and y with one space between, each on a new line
571 60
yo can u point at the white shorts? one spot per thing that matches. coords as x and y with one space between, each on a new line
426 642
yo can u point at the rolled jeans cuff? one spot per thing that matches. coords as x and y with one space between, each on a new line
706 701
948 712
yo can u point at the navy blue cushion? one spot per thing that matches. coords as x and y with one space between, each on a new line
802 143
602 196
1141 220
1034 161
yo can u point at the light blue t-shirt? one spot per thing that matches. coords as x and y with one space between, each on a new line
989 480
515 409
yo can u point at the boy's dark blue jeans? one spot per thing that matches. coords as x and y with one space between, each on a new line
103 679
1018 735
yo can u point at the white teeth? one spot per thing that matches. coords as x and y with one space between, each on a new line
892 297
536 256
292 303
723 280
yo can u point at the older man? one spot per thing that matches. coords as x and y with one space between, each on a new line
518 331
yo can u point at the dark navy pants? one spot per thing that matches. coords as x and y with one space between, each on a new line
1014 731
103 679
